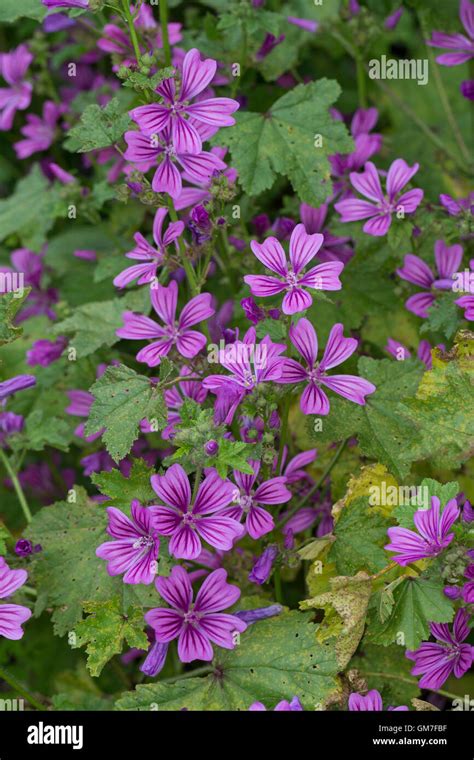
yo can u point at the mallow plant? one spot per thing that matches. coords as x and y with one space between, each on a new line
236 357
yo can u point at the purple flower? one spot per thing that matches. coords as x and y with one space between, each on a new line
199 624
17 96
437 661
135 550
187 522
269 43
415 270
379 209
467 89
258 521
307 24
23 548
12 616
156 657
371 702
39 131
433 533
259 613
456 207
30 266
250 364
45 352
283 706
200 224
175 332
392 21
262 568
66 3
462 46
467 302
212 112
333 248
366 145
15 384
400 352
314 400
303 248
144 252
145 151
211 448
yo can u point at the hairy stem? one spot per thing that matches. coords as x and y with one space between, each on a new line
133 32
317 485
164 31
20 688
16 486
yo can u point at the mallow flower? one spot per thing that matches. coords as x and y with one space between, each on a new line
17 96
436 661
145 151
380 207
460 45
417 271
134 552
144 252
12 616
370 702
338 348
178 114
187 519
200 623
174 332
432 535
291 279
258 521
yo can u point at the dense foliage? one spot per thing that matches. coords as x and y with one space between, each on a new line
236 362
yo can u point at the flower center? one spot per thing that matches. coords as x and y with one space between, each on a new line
292 279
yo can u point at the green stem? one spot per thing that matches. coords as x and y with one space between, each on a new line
182 250
317 485
286 407
164 31
443 96
133 32
197 483
205 670
16 486
277 585
19 687
361 83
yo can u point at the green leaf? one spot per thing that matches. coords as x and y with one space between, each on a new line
418 602
42 430
67 572
93 325
12 10
345 610
277 659
429 487
443 415
443 316
383 434
98 128
232 455
4 537
10 305
38 201
387 670
66 569
105 630
142 82
121 490
282 141
122 399
360 532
